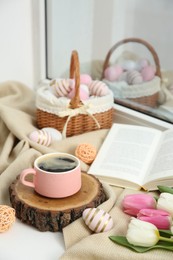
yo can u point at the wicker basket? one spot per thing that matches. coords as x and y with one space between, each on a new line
79 117
141 102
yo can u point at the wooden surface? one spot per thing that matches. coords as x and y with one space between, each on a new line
47 214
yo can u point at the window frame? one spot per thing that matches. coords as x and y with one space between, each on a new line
121 114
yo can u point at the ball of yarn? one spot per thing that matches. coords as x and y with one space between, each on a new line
85 79
134 77
86 153
98 88
148 73
62 87
112 73
7 217
83 92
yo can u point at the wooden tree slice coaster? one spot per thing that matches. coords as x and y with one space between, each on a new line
47 214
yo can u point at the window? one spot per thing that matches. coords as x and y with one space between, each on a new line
92 27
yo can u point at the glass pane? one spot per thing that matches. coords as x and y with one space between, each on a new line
93 27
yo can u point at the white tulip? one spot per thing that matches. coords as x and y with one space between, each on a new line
141 233
165 202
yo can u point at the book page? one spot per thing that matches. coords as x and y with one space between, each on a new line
126 152
162 166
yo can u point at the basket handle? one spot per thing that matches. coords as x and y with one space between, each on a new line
75 74
137 40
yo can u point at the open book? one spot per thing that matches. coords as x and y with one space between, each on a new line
135 157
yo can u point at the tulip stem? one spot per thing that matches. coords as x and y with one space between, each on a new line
166 239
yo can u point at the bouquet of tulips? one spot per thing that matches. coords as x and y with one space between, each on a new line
151 222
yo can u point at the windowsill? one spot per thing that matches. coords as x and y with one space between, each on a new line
129 116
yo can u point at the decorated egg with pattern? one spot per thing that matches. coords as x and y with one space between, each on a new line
62 87
40 137
97 220
98 88
45 136
55 134
134 77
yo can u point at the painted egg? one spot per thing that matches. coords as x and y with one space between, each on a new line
134 77
142 63
98 88
148 73
85 79
7 217
55 134
112 73
41 137
62 87
83 92
129 65
97 220
123 76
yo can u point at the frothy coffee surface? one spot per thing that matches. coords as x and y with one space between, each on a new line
57 164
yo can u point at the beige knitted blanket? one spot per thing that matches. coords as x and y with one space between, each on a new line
17 120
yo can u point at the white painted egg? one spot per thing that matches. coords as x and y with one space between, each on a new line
98 88
55 134
129 65
97 220
41 137
134 77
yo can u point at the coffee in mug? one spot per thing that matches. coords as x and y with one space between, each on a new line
55 175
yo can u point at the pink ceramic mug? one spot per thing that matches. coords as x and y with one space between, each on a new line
55 175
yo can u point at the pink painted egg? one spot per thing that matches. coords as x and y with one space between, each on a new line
148 73
97 220
134 77
142 63
112 73
41 137
98 88
83 92
62 87
85 79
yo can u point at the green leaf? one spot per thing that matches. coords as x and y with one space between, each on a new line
165 233
165 189
123 241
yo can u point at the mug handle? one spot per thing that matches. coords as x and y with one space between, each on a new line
24 173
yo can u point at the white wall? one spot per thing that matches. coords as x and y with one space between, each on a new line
93 27
18 46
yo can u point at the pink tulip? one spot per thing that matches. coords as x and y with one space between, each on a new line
133 203
160 218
